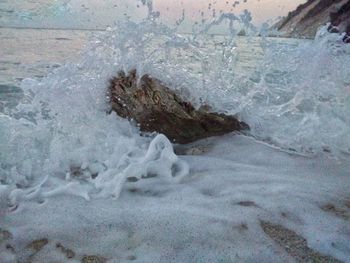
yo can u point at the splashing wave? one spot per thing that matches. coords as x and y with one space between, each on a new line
60 139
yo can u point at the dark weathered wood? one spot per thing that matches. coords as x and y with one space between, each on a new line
157 108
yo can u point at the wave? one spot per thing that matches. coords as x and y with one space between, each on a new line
61 139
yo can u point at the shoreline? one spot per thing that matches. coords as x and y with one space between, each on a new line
103 30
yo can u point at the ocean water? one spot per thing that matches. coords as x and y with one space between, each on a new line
21 57
73 174
32 53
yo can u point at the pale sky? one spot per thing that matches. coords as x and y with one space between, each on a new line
99 14
262 10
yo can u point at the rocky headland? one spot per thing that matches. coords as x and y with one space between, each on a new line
309 17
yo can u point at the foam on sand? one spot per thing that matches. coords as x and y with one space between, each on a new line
211 215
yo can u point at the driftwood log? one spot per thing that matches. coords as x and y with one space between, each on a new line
156 108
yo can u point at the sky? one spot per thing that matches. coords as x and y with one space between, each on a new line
98 14
262 10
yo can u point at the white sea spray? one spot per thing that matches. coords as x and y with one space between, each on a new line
60 135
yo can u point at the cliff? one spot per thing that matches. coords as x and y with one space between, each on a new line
307 18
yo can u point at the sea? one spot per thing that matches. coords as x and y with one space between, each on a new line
78 178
